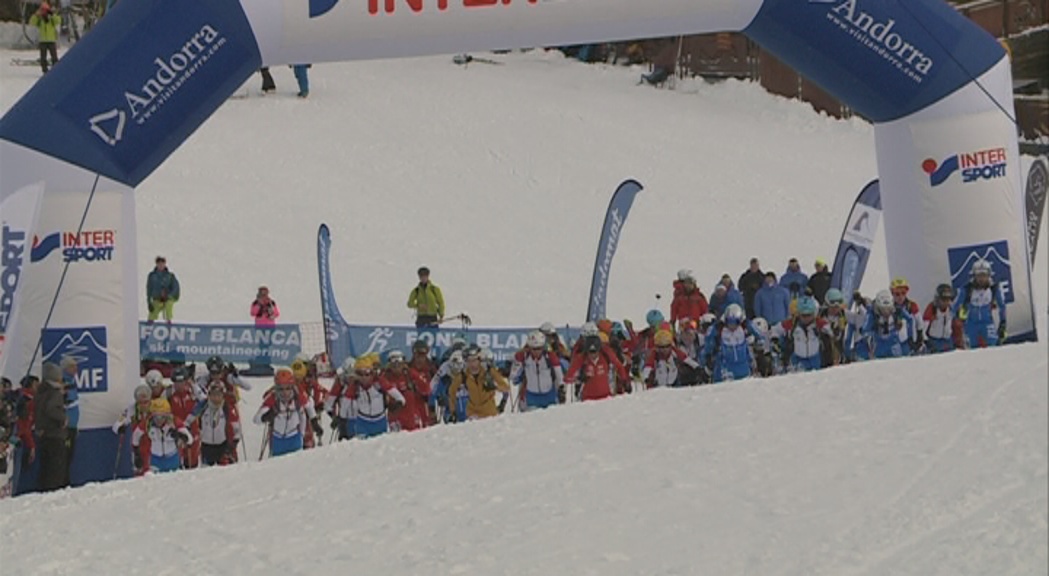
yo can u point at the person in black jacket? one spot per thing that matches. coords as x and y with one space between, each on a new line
819 282
51 428
749 283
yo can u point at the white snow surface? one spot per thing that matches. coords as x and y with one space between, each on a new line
497 178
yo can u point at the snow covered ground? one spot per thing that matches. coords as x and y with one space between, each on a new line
497 178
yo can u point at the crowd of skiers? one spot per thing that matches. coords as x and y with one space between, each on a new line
793 324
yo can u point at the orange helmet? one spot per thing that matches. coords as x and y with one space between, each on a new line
604 326
284 377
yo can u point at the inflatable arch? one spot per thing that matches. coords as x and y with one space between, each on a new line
937 88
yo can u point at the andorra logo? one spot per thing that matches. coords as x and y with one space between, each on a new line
114 120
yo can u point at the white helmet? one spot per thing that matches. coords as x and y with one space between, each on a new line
142 393
761 325
456 361
302 357
347 365
537 339
487 356
707 320
154 378
982 266
685 274
547 328
883 302
588 329
734 312
395 356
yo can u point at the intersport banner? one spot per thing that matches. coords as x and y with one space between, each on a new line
611 232
18 214
966 206
93 320
857 241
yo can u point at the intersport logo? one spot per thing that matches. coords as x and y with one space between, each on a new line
879 36
169 74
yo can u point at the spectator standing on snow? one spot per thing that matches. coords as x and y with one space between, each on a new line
162 291
71 401
749 283
50 422
725 293
794 279
268 85
47 23
302 77
772 302
819 282
264 309
427 301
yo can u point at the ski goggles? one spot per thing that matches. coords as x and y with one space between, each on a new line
899 292
807 317
215 391
364 372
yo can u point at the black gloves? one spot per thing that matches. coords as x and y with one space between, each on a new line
317 428
136 459
336 423
231 369
269 417
1001 332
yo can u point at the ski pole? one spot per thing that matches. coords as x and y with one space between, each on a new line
120 448
265 441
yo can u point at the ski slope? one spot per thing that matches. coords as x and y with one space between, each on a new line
924 467
497 176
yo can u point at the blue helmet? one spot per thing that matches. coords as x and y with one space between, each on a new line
619 330
807 306
834 296
654 318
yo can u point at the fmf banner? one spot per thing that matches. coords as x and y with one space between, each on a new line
18 214
857 241
238 343
611 232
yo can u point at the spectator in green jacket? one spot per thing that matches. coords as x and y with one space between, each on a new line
427 301
48 23
162 291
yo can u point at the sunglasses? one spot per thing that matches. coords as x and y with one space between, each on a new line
899 292
663 347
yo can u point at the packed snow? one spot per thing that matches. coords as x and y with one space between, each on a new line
497 176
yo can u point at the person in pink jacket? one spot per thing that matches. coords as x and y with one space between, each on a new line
264 309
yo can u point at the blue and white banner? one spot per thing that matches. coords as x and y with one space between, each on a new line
1034 201
611 232
336 332
237 343
857 241
503 342
18 214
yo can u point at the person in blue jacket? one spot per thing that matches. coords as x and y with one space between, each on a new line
726 352
725 293
975 306
72 403
890 328
794 276
772 301
162 291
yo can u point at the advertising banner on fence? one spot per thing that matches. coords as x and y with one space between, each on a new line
237 343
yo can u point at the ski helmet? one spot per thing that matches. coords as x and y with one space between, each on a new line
604 325
160 406
685 275
214 364
982 266
706 320
537 340
588 329
395 357
142 393
734 314
458 343
883 303
899 283
456 362
367 363
420 346
303 357
835 297
654 318
154 378
663 338
548 329
283 377
761 325
179 374
487 356
945 292
299 368
347 365
472 351
620 331
807 306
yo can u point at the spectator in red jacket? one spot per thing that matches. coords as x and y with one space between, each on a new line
688 302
